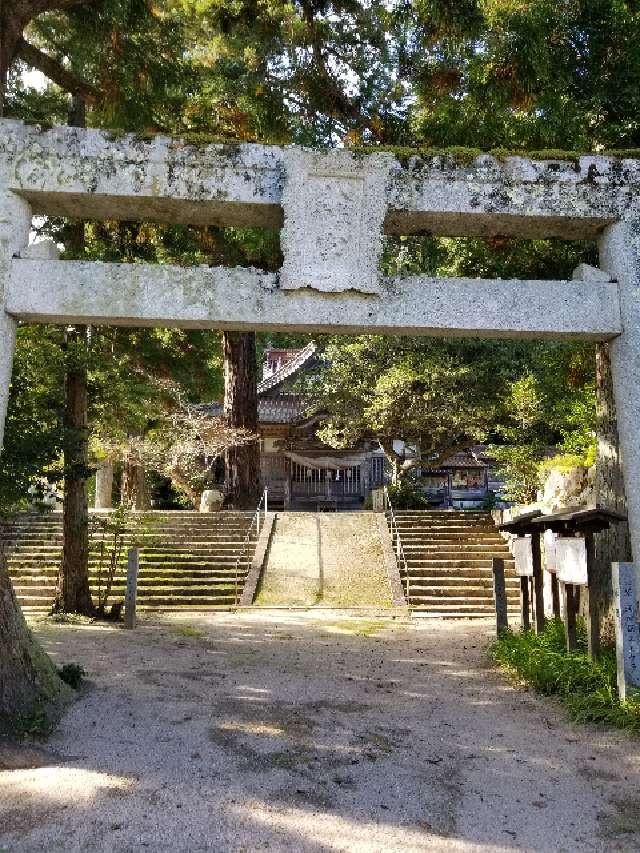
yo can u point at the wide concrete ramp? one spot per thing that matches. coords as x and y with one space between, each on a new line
325 560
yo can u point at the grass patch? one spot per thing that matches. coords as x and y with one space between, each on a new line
587 687
358 627
190 631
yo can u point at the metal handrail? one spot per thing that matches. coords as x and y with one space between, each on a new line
401 559
243 555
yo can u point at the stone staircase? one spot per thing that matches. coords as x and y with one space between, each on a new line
448 562
187 560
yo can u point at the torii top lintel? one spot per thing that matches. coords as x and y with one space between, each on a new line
333 206
96 174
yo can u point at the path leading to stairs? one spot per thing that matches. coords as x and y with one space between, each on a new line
325 559
307 733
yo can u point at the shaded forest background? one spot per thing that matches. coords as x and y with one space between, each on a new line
432 75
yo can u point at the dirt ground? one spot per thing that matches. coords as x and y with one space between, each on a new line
311 732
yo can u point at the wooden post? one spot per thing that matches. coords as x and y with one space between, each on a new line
593 600
570 611
500 595
525 621
555 596
133 562
538 582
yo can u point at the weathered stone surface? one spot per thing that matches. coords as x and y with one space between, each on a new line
585 272
44 250
7 348
620 256
15 222
517 197
237 298
211 500
93 174
89 173
626 598
334 205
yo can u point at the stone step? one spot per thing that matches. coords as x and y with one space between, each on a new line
447 593
462 563
190 561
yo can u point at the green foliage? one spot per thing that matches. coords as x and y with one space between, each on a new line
519 466
434 394
72 674
33 435
109 535
407 495
587 687
35 724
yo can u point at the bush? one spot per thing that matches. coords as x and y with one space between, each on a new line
72 674
587 687
407 495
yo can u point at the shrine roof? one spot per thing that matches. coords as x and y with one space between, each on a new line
289 369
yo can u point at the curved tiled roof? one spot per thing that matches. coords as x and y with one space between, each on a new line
288 370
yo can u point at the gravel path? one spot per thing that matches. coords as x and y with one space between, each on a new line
311 732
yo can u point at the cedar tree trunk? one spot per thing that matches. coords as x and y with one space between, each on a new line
29 682
134 492
73 595
104 484
242 462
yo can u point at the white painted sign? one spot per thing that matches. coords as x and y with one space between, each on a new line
550 556
571 558
626 601
521 548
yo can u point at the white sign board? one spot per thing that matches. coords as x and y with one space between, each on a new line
626 601
550 556
521 548
571 557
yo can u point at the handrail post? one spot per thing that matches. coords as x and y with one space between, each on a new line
265 500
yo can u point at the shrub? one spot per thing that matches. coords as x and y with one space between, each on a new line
72 674
407 495
587 687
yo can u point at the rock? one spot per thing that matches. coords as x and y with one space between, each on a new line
211 500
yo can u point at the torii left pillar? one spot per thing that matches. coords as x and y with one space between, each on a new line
15 224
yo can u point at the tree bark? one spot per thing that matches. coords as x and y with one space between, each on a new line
134 492
73 594
613 544
242 462
104 485
15 16
29 682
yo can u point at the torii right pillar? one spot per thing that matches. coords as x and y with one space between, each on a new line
620 257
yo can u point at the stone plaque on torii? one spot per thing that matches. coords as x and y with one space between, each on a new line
333 208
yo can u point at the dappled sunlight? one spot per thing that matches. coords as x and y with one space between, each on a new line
283 731
58 785
335 832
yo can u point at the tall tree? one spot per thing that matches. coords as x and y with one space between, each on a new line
73 594
242 462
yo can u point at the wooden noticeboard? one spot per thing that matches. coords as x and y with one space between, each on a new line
523 556
571 556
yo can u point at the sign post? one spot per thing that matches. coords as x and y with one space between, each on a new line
626 600
133 562
500 595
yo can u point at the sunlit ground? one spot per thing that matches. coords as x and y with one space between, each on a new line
310 732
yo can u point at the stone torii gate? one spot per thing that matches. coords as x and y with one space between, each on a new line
333 208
